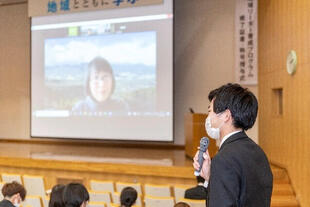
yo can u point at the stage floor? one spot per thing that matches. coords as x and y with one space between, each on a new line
132 164
95 154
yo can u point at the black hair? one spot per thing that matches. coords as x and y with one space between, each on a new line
56 198
128 196
241 103
75 194
200 179
10 189
181 204
99 64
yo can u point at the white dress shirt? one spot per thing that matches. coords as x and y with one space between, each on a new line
227 136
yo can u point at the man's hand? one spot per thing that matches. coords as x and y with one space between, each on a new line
205 170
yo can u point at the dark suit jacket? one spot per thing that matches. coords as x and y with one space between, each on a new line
240 175
198 192
6 203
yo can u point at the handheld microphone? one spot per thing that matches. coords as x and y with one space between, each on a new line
204 143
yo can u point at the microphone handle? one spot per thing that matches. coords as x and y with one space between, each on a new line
204 143
200 161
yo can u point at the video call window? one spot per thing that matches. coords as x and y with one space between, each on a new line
104 75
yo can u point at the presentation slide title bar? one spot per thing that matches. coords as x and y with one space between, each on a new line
52 7
105 21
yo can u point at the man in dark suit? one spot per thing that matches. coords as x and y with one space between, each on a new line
13 194
198 192
239 174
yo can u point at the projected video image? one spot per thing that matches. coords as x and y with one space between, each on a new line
90 75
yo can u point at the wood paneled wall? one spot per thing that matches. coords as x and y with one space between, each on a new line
285 25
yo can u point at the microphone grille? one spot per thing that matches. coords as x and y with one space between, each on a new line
204 143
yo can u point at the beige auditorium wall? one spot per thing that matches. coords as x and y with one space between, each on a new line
204 55
285 137
204 59
14 72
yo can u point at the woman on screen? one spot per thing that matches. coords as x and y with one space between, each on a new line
100 84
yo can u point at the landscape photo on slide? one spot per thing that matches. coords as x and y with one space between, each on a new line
132 57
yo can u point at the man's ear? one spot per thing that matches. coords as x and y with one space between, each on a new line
14 197
227 115
84 204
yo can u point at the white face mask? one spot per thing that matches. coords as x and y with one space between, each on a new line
16 204
214 133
